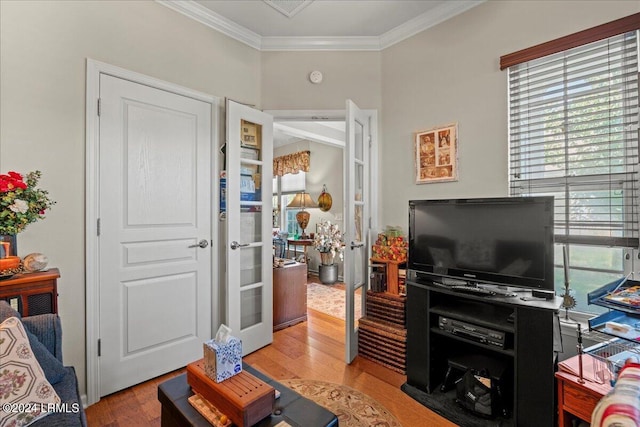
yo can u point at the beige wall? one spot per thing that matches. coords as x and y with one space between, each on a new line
450 73
43 51
326 169
353 75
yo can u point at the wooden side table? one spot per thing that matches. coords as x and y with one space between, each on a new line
298 242
392 270
577 399
289 295
32 293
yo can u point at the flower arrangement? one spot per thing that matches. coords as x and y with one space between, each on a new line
328 240
21 202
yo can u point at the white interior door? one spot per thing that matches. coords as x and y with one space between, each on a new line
154 231
249 164
357 216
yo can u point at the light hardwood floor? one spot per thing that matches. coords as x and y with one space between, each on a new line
313 349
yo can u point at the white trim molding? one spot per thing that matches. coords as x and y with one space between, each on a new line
205 16
425 21
320 43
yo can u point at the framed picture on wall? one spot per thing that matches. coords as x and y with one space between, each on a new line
436 154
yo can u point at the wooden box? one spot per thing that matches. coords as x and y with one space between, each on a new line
244 398
382 332
387 307
384 343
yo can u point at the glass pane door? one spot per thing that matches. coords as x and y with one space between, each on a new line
249 159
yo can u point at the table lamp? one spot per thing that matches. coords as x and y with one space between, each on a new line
302 200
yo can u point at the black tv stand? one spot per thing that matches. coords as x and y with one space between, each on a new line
527 354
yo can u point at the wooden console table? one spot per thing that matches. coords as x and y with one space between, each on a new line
289 295
576 399
298 242
32 293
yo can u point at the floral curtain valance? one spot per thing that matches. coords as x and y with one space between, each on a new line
292 163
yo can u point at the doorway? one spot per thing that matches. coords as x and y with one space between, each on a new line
325 141
360 186
149 293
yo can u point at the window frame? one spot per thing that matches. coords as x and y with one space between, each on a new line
624 25
282 201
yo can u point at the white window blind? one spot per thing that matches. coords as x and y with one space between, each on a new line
573 134
290 183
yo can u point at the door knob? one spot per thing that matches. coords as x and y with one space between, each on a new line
201 244
235 245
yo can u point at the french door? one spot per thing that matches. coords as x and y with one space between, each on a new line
359 130
249 280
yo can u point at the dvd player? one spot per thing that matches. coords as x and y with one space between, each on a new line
472 332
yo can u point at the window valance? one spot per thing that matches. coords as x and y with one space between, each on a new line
292 163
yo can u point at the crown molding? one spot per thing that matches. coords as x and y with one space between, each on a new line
219 23
426 20
213 20
320 43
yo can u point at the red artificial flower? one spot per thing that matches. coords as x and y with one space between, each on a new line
5 185
11 181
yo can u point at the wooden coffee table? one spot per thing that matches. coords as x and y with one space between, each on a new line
290 407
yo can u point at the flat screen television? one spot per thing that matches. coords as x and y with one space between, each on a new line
505 241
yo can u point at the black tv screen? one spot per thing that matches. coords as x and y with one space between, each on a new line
506 241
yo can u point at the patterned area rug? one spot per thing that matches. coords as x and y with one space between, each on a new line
330 300
353 408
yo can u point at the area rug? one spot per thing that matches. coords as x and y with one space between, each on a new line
330 300
352 407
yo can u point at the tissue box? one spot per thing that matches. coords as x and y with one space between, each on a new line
222 360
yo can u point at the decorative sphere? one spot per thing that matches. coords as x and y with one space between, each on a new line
35 262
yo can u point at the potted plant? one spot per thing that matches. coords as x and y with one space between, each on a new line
329 242
21 203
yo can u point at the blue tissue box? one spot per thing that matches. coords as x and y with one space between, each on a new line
222 360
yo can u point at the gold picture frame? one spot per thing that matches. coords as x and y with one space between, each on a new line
436 154
250 134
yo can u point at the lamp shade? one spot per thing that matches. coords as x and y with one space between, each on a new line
302 200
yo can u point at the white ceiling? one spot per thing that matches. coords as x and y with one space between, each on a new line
320 24
325 132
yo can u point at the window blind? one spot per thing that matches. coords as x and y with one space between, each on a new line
290 183
573 134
